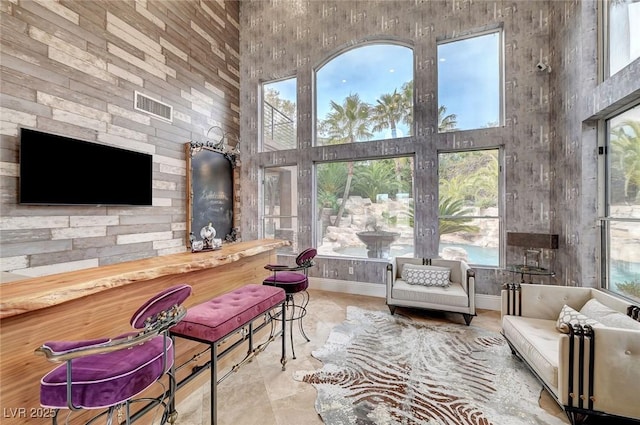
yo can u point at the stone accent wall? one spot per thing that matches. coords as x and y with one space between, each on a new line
549 136
72 68
578 100
292 38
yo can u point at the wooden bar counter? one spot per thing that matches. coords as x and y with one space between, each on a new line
99 302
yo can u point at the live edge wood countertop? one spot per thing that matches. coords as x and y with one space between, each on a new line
35 293
99 302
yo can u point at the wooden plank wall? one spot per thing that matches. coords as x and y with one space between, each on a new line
71 68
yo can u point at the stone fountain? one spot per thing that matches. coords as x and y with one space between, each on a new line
378 242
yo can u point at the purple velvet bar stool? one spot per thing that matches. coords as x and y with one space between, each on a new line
107 373
295 281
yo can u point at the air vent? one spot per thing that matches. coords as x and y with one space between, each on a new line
153 107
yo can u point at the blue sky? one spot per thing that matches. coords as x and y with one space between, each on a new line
468 78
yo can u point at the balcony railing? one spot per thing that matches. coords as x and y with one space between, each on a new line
279 129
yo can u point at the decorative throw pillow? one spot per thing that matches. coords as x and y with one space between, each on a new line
608 316
569 317
415 274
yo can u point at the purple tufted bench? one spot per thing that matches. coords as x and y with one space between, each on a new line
213 321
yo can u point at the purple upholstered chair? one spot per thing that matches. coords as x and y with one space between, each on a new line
107 373
295 281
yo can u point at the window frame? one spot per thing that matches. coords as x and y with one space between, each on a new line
318 237
262 199
501 72
262 113
335 55
604 200
604 26
501 203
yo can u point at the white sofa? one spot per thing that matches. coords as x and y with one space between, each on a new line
457 297
594 369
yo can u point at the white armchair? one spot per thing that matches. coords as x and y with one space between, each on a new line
457 297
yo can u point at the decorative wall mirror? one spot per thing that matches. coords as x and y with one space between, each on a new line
210 194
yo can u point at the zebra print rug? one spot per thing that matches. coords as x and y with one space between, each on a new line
387 370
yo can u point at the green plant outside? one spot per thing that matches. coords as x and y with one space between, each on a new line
630 288
625 143
373 177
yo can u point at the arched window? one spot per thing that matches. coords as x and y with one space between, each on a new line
365 94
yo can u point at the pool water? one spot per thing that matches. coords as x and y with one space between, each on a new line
623 271
476 254
479 255
485 256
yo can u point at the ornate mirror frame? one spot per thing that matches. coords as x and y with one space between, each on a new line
210 191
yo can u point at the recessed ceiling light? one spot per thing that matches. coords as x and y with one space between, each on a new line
392 70
344 81
443 59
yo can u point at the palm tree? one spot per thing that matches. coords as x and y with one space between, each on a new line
625 139
452 217
392 109
446 122
454 187
331 179
483 183
376 177
407 105
472 176
388 112
347 123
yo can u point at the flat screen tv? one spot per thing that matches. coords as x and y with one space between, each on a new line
58 170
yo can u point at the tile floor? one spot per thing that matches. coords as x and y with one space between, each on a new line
260 393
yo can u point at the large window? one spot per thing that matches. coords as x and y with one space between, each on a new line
470 83
365 94
469 206
365 208
279 115
280 201
621 221
623 33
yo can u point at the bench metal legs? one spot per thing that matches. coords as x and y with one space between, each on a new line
247 330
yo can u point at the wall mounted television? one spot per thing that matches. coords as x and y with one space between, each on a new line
58 170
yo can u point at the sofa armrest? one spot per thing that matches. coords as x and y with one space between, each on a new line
471 286
468 278
613 376
391 277
541 301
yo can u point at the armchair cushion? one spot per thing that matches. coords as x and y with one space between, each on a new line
452 295
426 275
